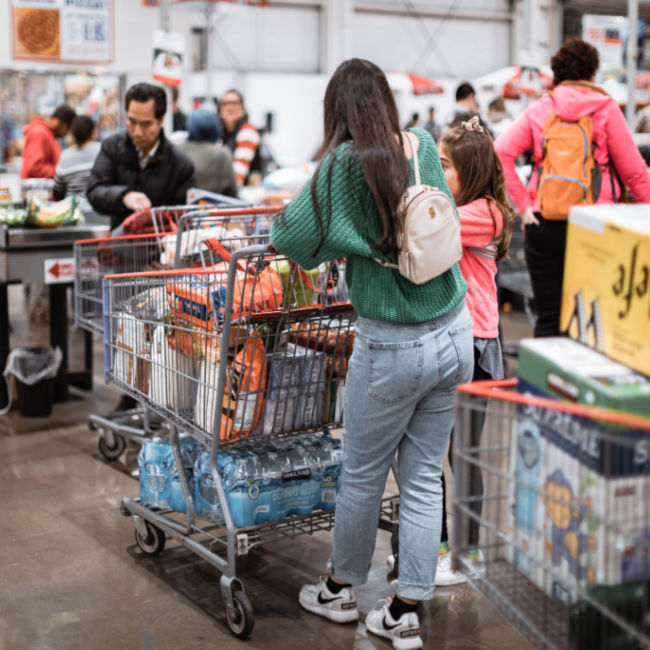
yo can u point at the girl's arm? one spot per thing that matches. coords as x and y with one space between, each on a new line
510 145
476 225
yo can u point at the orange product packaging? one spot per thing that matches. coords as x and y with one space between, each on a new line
246 383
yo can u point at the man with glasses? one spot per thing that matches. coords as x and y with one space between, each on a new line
140 168
241 137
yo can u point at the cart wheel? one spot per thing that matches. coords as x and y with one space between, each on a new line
112 451
153 543
241 619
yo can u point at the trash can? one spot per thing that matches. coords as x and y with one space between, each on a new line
34 370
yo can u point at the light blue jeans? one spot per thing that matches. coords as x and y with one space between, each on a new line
399 397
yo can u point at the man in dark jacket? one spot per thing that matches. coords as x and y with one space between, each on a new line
140 168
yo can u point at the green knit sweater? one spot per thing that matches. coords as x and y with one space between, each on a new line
376 292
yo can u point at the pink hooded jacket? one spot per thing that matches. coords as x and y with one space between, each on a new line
611 135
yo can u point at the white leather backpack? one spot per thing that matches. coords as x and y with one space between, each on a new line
429 242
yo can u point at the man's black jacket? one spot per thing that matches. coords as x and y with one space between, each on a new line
165 180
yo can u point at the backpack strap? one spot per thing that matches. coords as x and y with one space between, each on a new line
416 163
416 173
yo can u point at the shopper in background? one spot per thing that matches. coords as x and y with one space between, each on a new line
414 121
139 168
575 95
498 116
475 176
466 105
41 150
240 136
75 163
212 163
179 119
413 345
430 126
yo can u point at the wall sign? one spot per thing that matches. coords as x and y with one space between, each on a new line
67 31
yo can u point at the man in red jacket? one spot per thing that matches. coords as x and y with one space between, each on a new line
41 151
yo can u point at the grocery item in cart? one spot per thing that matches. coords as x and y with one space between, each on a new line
172 381
300 494
131 361
310 405
201 299
325 455
244 398
296 389
279 404
297 291
160 485
333 336
270 481
150 305
594 477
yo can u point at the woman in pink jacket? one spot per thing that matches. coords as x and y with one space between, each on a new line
575 95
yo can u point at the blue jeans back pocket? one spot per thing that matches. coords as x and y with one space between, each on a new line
394 370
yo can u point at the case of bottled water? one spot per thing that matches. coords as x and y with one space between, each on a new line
160 484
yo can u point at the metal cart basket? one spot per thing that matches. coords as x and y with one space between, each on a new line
96 258
564 516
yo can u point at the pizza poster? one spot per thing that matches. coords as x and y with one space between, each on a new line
67 31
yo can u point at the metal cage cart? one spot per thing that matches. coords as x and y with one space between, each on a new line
246 360
564 516
160 249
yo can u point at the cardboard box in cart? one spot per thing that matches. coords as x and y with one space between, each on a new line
582 489
606 293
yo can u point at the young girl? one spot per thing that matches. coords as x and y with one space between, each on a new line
475 177
413 345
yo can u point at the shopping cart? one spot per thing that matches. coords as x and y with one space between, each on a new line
243 355
564 516
96 258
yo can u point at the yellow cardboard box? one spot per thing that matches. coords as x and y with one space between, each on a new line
606 292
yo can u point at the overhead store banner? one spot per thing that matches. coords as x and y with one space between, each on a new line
256 3
168 57
67 31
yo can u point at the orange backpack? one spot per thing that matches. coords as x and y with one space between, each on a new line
569 174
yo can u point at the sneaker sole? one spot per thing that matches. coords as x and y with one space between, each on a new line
335 615
448 582
412 643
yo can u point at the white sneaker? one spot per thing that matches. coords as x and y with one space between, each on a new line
445 576
403 633
318 599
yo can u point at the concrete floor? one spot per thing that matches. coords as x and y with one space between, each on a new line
71 576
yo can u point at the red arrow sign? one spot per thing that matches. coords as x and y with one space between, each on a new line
54 270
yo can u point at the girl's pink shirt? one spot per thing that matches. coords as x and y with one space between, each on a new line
477 230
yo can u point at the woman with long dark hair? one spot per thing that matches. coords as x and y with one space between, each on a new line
413 345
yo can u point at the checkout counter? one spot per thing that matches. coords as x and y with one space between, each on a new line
46 256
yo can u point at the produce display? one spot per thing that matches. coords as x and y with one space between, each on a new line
43 214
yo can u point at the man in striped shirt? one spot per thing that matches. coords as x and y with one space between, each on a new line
241 137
